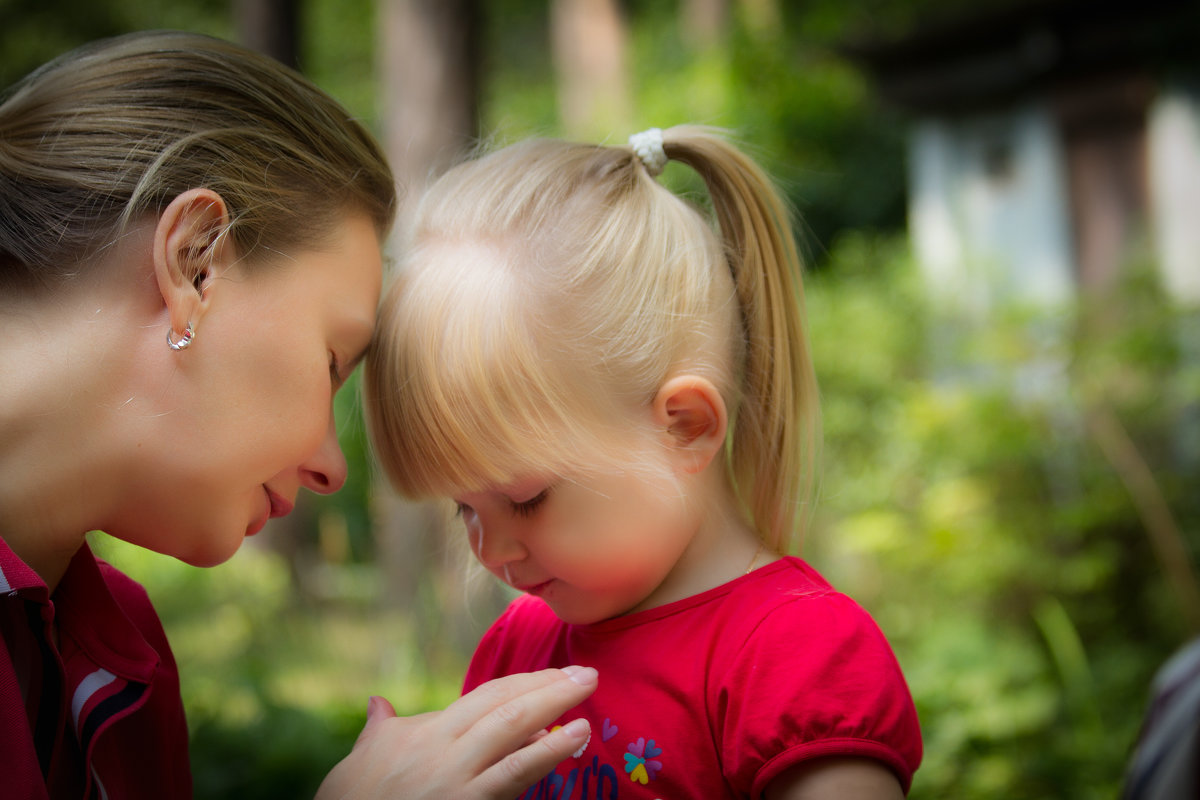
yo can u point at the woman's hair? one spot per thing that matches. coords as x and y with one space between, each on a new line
117 129
548 289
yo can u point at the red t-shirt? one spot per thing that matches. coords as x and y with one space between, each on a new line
96 714
716 695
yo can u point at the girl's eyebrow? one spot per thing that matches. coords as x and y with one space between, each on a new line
527 499
531 494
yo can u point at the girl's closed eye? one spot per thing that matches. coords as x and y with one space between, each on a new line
526 508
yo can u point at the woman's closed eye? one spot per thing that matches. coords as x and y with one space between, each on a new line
336 379
340 369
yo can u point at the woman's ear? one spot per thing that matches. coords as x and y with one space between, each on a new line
693 414
190 249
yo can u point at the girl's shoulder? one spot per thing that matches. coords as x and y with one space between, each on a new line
789 604
796 574
790 585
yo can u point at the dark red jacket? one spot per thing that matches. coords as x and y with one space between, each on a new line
94 711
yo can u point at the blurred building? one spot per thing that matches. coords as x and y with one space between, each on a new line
1052 143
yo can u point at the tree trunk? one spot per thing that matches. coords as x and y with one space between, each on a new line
271 27
705 22
429 51
430 77
589 42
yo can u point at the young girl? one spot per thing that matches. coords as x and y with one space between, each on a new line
618 396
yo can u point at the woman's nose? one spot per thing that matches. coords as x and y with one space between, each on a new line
325 471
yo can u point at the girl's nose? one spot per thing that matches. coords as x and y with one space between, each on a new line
494 546
325 471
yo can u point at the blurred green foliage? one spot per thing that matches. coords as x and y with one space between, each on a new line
969 506
33 32
967 498
777 84
276 689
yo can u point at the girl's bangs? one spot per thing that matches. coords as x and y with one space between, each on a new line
477 400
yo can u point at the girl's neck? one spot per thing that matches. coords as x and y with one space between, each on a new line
723 549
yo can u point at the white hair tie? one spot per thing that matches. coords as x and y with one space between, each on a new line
648 145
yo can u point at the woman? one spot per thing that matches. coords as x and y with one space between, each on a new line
189 269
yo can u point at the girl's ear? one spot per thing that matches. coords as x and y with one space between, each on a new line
190 249
693 414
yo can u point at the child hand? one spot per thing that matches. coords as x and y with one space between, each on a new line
489 744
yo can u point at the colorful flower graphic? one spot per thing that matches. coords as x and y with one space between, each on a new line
640 761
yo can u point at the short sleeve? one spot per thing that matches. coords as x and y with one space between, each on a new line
814 678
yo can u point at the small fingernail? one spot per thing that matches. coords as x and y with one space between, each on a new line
373 705
584 676
578 729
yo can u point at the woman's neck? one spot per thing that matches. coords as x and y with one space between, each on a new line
61 360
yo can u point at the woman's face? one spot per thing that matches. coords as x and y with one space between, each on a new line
245 416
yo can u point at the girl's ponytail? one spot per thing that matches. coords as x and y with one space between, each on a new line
773 438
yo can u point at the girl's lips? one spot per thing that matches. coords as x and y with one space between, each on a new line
536 589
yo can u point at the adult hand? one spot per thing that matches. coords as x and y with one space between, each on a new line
490 744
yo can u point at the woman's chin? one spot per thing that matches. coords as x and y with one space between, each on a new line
211 554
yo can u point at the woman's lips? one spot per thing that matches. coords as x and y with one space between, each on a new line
280 507
277 507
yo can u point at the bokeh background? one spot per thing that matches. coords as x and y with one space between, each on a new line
998 203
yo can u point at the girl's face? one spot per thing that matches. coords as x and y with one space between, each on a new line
592 548
244 418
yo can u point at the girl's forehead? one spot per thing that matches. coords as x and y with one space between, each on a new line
518 490
528 484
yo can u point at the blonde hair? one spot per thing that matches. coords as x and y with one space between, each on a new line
548 288
118 128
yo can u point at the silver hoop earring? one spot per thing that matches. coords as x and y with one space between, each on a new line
184 340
